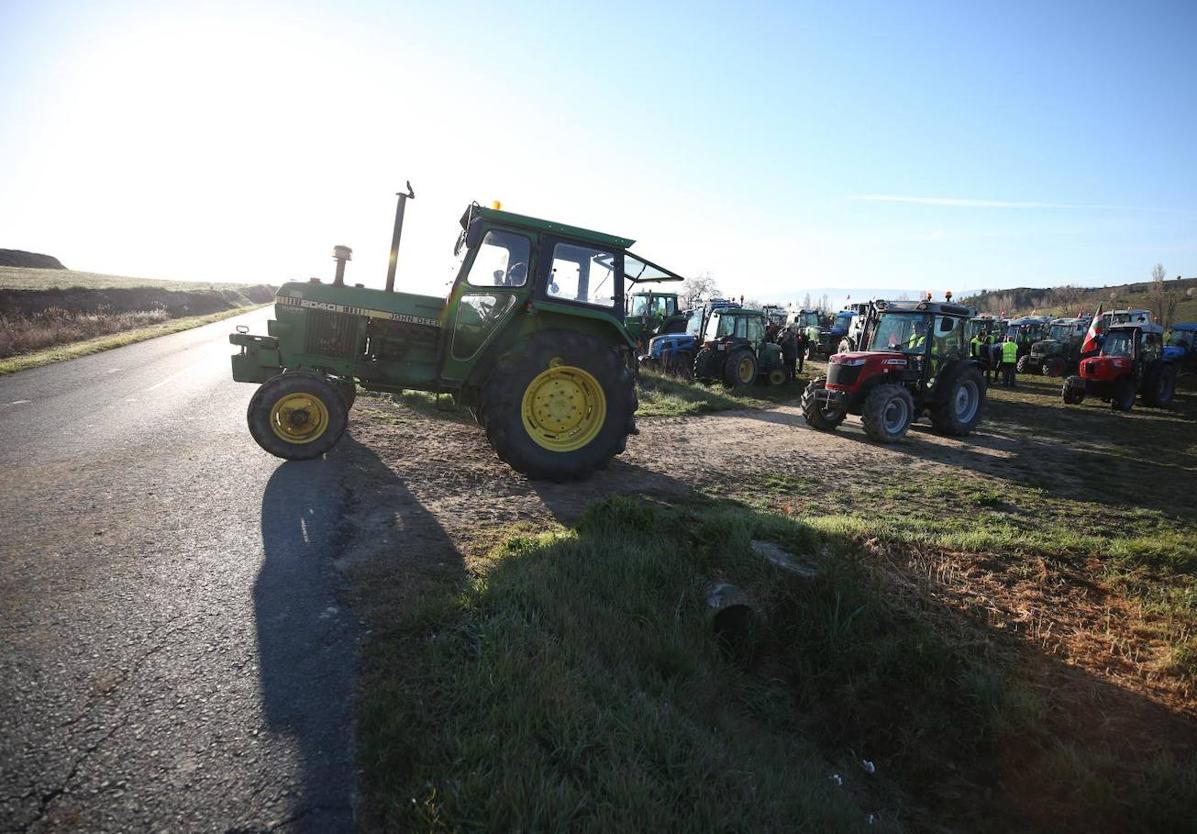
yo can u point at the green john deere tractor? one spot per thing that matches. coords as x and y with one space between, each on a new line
733 350
531 339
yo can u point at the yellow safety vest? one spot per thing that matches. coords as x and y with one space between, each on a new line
1010 352
976 345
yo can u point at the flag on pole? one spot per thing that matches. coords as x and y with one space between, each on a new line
1090 343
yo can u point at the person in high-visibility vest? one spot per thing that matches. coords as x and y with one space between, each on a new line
1009 360
974 347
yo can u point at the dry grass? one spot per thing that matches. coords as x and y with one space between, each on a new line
56 326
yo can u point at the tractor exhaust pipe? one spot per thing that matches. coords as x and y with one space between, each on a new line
340 255
394 262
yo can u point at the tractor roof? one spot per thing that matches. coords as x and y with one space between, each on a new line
1186 326
1030 320
1073 320
1146 327
938 307
508 218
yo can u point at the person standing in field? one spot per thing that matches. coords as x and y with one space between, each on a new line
1009 361
789 351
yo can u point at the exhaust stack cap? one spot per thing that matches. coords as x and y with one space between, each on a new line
342 253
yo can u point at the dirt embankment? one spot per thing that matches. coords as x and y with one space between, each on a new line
29 260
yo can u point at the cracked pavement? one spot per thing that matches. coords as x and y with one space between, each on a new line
173 655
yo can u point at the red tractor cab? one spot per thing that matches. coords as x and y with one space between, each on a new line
915 361
1131 364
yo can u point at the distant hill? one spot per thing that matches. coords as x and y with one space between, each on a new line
1071 301
29 260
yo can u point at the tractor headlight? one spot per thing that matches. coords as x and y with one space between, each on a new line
851 363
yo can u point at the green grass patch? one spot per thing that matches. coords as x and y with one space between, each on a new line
664 396
73 351
574 683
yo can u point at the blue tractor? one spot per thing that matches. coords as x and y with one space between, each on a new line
673 353
1181 348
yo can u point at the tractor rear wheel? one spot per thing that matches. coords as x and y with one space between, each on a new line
740 369
1160 386
963 399
1073 390
297 416
559 406
888 412
1124 395
818 415
704 361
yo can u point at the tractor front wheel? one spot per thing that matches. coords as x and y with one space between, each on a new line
888 412
559 406
297 416
777 376
740 369
959 410
1053 367
704 362
1023 365
815 408
1073 390
1160 387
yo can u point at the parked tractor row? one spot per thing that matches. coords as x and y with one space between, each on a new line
537 340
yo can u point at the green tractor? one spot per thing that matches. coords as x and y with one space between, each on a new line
647 311
531 339
733 350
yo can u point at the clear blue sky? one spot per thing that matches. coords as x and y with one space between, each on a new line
781 147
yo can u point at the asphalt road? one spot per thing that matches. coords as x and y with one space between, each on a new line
173 656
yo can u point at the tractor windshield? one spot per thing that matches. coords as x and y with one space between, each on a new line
1062 332
843 320
1119 343
904 332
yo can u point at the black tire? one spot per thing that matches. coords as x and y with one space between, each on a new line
1053 367
888 412
704 361
1161 385
347 388
270 421
740 369
961 402
1124 395
683 365
1023 366
817 417
846 346
503 398
777 377
1073 390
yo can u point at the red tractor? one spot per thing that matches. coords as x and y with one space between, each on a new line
1131 363
916 361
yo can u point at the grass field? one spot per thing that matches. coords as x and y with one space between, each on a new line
42 309
1004 629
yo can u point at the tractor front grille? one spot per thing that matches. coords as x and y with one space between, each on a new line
845 375
331 334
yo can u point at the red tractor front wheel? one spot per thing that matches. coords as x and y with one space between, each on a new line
887 414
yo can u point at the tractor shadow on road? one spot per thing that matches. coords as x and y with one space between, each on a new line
306 640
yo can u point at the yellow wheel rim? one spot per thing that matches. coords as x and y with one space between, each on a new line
745 370
563 408
299 418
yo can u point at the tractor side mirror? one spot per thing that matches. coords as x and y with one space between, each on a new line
473 235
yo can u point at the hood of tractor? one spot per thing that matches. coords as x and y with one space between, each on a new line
1105 368
410 308
1046 347
845 370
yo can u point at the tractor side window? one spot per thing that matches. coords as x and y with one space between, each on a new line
756 330
948 342
502 260
582 274
639 305
662 306
1151 347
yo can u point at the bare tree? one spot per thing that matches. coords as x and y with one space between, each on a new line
806 302
1162 302
825 304
697 288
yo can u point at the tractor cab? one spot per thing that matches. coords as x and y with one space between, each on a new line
1131 363
646 313
1060 351
733 348
1181 346
1026 331
915 360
